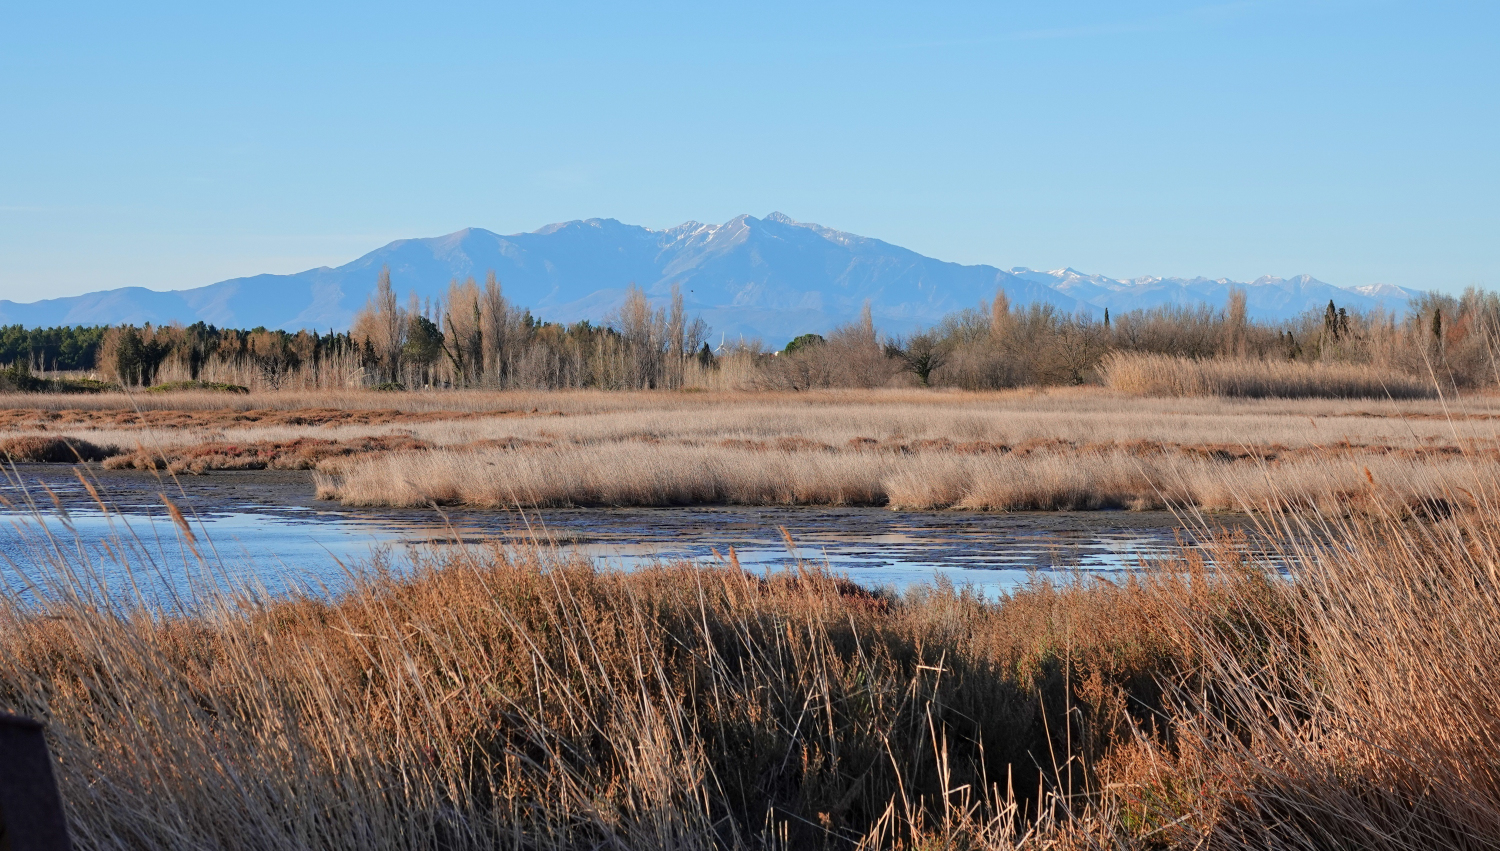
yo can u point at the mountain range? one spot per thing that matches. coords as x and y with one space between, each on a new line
771 278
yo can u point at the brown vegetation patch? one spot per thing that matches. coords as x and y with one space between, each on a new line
509 443
1136 448
800 444
780 444
20 418
53 450
300 454
938 444
1226 454
741 443
1050 445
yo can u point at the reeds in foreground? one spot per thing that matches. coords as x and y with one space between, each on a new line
493 698
1164 375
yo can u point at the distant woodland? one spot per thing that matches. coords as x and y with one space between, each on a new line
475 337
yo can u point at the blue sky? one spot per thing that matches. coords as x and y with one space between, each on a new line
171 146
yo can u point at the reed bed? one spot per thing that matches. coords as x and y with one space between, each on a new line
1142 374
490 697
1356 710
1065 449
1083 420
1047 479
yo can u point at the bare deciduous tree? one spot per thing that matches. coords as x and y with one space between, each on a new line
381 325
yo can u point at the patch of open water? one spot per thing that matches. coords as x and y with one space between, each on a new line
292 540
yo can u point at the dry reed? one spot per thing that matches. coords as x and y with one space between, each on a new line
643 474
1349 708
1080 448
1165 375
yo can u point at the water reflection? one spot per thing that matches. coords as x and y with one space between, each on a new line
280 546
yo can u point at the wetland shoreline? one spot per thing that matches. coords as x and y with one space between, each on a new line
271 516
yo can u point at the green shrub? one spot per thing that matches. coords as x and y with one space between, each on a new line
806 341
17 378
213 386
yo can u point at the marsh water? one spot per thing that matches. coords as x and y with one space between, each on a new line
266 528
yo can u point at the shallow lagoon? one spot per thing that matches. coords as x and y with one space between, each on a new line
265 528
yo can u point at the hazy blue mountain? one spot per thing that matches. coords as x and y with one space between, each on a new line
771 278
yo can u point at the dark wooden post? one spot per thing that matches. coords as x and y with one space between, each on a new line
31 813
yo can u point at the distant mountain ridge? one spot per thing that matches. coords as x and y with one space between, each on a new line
1267 297
771 278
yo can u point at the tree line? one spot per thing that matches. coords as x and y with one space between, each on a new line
474 336
999 345
63 348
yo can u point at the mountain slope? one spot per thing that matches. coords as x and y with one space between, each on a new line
772 278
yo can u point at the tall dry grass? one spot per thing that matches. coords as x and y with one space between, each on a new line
1045 479
1352 707
1079 448
1165 375
494 698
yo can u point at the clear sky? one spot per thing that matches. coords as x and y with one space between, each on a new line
171 146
